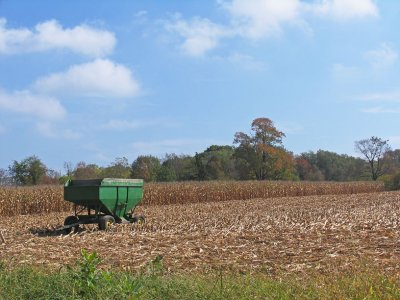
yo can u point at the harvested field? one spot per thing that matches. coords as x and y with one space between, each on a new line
45 199
331 233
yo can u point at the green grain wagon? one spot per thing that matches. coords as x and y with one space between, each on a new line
107 201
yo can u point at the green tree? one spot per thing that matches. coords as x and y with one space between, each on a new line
166 174
243 168
146 167
183 166
391 161
29 171
373 149
201 169
120 168
216 162
84 171
330 166
337 167
307 168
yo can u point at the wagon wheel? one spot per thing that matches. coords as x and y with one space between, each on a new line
140 220
69 221
106 222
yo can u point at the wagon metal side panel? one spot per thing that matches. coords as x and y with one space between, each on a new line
119 200
135 195
110 196
82 195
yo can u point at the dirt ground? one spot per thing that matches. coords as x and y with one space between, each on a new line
291 235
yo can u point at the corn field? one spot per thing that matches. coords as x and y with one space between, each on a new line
46 199
325 234
195 192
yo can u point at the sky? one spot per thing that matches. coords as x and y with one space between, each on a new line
96 80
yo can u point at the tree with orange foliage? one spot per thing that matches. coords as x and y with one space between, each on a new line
261 154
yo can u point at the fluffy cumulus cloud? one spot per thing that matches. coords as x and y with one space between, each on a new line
256 19
260 18
27 103
199 35
51 35
100 78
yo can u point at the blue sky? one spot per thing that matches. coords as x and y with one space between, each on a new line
95 80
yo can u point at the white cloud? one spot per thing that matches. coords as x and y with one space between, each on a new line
122 125
258 18
344 9
51 35
100 78
248 18
382 97
135 124
141 14
246 61
291 127
47 130
341 71
381 110
24 102
199 35
384 56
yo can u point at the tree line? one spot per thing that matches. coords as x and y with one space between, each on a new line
259 155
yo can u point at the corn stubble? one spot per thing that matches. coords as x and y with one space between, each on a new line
46 199
327 234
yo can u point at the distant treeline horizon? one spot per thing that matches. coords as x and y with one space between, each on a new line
258 156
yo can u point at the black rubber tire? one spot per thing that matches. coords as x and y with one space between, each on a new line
71 220
106 222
